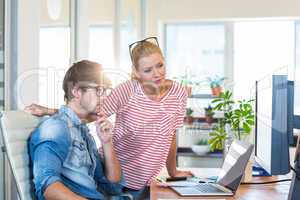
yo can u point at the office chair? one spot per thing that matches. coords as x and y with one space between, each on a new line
16 127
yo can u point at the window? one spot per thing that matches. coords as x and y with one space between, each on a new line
195 50
101 45
54 61
261 52
101 50
54 52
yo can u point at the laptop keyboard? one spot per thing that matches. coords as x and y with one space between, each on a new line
207 188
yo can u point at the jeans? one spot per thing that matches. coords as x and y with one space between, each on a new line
142 194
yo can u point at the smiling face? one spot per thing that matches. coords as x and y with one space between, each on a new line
151 70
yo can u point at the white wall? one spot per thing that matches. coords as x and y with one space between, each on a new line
166 10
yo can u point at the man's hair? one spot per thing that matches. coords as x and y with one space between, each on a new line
81 74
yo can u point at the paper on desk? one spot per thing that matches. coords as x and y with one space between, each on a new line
189 199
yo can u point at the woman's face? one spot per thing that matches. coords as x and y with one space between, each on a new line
151 69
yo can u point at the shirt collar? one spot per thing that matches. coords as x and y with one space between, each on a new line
71 114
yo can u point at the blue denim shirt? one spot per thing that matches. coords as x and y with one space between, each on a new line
61 149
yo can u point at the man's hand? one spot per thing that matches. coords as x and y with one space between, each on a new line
36 110
104 130
112 164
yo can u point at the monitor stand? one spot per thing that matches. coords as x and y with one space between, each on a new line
294 192
259 171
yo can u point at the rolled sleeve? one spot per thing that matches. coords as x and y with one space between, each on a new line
48 149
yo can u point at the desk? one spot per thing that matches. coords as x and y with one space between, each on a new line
278 191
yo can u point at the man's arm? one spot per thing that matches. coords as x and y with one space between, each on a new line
112 164
58 191
49 146
171 161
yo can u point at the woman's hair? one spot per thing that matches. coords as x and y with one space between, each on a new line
81 74
143 49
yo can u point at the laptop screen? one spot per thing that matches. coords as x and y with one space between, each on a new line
234 164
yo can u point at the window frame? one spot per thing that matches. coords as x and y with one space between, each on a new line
228 46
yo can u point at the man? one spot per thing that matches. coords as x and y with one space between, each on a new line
66 163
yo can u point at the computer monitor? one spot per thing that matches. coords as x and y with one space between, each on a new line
290 110
296 121
272 130
297 104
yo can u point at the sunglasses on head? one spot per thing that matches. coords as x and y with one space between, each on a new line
149 39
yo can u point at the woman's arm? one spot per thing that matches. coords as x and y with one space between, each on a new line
39 110
171 161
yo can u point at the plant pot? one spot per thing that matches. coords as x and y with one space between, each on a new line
209 119
189 119
200 149
216 91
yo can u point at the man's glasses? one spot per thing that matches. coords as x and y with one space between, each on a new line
100 90
153 40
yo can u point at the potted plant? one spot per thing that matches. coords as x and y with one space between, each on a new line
237 123
188 116
188 82
209 113
215 84
201 147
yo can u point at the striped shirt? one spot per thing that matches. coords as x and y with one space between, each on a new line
144 129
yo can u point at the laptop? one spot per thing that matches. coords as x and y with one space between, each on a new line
229 177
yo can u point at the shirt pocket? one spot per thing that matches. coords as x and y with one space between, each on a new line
79 156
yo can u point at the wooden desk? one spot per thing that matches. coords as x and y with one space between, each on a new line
278 191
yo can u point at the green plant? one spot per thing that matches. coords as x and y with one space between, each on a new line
217 138
215 81
209 111
189 112
239 115
202 142
187 81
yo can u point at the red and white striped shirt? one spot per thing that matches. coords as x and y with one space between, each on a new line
144 129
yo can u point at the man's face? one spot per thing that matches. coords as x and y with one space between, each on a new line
92 96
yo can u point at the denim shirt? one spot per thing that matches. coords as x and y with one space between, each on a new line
62 150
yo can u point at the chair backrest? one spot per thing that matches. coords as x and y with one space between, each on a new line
16 127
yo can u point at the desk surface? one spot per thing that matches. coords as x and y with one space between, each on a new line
278 191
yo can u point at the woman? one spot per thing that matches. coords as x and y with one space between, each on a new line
149 108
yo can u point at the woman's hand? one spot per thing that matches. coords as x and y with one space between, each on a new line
104 130
180 173
38 110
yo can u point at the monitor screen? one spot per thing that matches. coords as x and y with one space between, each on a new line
272 132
